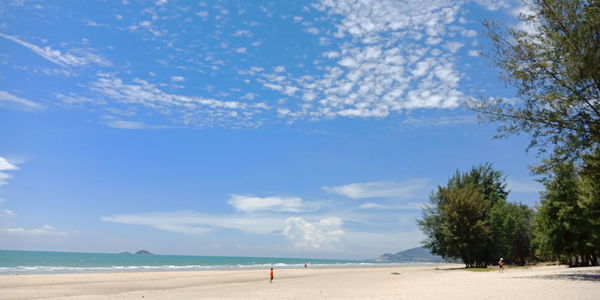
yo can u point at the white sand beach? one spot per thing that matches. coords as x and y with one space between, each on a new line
410 282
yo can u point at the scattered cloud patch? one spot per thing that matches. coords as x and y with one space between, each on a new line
380 189
251 204
439 122
320 235
8 212
411 205
493 4
122 124
44 230
243 33
186 222
74 58
186 110
11 101
525 10
5 165
381 65
474 53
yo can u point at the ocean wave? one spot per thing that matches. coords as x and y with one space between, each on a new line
88 269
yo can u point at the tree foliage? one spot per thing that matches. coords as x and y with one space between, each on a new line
512 226
554 67
567 223
470 219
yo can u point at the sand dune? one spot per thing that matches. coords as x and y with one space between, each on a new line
414 282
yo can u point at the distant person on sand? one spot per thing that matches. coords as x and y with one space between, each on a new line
305 264
501 265
271 275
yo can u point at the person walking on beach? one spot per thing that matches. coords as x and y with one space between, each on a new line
501 265
271 275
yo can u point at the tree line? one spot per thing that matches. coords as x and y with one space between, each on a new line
471 219
554 68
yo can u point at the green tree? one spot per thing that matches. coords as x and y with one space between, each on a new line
512 226
555 71
470 219
590 202
564 228
461 224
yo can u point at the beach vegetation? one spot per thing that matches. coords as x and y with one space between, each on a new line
470 219
567 220
553 64
552 61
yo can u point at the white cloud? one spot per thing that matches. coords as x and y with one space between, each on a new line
320 235
453 46
122 124
11 101
244 33
187 110
440 121
8 212
275 203
313 30
411 205
381 65
177 78
474 53
5 165
525 9
186 222
380 189
493 4
74 58
44 230
77 100
4 178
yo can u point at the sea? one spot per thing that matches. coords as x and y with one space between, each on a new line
46 262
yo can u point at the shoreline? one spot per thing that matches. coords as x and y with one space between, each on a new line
389 282
50 270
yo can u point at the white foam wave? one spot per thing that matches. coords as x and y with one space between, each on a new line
80 269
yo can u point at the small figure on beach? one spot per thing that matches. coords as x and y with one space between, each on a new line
271 275
501 265
305 265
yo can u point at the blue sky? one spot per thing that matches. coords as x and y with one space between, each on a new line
257 128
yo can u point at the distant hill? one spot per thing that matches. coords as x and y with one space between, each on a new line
145 252
414 254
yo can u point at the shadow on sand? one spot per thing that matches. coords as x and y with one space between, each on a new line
595 276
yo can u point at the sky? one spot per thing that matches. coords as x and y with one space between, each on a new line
243 128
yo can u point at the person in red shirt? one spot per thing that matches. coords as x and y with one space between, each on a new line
271 275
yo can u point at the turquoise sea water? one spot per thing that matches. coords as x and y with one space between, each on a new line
71 262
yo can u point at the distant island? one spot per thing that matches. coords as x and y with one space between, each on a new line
144 252
414 254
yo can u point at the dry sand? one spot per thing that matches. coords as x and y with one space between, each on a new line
414 282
